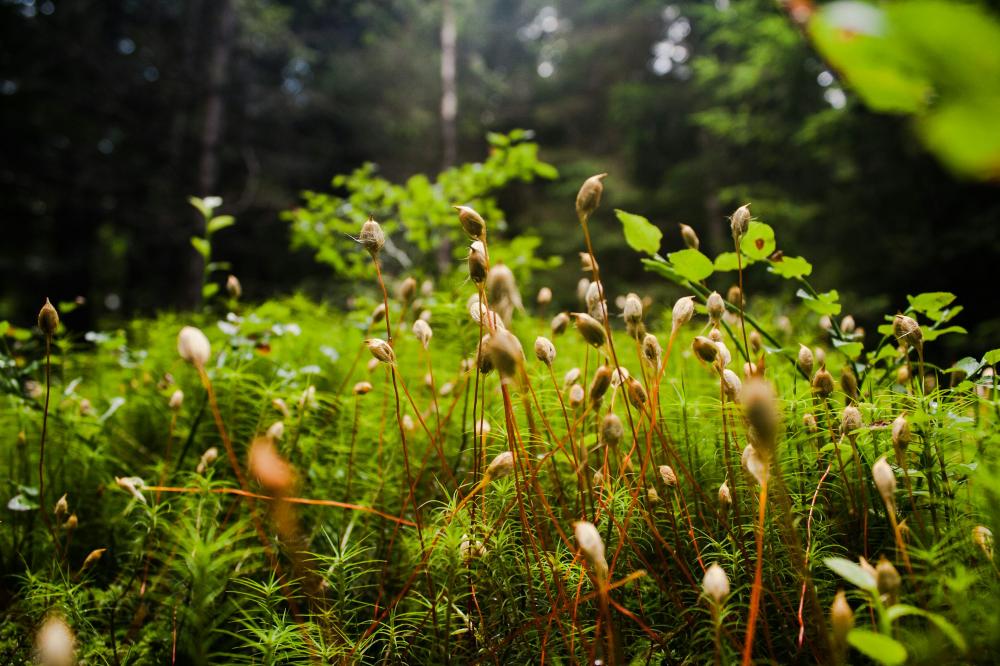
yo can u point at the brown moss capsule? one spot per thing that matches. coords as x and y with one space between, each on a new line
545 351
850 421
592 549
725 495
689 236
506 354
483 360
502 465
93 558
760 407
544 296
731 385
576 395
422 332
193 346
271 469
907 331
407 290
805 359
822 383
809 421
887 580
48 319
590 329
849 384
847 324
841 618
715 583
612 430
477 263
208 458
636 393
55 643
571 376
559 323
233 287
472 222
71 523
756 342
378 314
682 312
739 222
589 196
716 306
176 400
372 238
885 480
982 536
705 349
901 433
600 384
381 350
61 508
632 312
668 475
651 351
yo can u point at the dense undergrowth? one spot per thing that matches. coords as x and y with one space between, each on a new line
296 495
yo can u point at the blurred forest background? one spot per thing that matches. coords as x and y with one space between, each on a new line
113 112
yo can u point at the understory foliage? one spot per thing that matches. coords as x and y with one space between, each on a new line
402 483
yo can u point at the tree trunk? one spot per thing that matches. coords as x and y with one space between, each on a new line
449 98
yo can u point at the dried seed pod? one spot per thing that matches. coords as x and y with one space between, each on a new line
651 351
885 481
822 383
478 266
668 476
208 458
689 236
982 536
739 222
544 296
422 332
682 313
277 430
590 329
841 619
705 349
600 384
233 287
502 465
805 359
901 433
636 393
716 306
907 331
612 430
559 323
61 508
48 319
506 354
576 395
849 383
589 196
193 346
760 406
715 583
809 421
55 644
887 580
731 385
545 351
850 420
592 549
381 350
273 472
472 222
372 238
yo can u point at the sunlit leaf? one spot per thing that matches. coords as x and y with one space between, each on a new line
791 267
758 241
691 264
663 269
824 304
201 245
851 572
879 647
641 234
219 223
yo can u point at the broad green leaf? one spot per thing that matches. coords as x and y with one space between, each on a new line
202 246
852 572
640 233
880 648
758 241
935 333
850 349
664 269
219 223
992 357
825 303
691 264
728 261
209 290
791 267
205 211
546 171
931 303
947 628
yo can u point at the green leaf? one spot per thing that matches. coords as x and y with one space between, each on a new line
935 333
825 303
205 211
209 290
947 628
20 502
203 246
881 648
850 349
931 303
852 573
992 357
219 223
640 233
546 171
758 241
791 268
691 264
664 269
728 261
